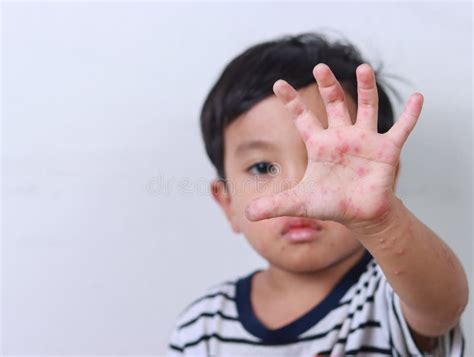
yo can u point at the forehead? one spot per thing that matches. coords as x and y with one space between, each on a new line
269 120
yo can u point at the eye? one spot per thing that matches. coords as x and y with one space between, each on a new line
264 168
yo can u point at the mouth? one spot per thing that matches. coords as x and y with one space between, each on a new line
300 230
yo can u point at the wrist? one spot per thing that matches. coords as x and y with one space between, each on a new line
381 224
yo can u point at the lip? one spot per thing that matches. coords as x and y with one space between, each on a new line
300 230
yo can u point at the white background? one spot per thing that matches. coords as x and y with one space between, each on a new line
101 103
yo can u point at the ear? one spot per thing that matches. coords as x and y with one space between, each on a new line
396 177
222 196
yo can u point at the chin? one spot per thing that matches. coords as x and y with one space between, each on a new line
309 261
302 266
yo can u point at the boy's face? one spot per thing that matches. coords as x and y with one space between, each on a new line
265 154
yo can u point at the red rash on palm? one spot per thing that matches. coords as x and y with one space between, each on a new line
321 151
346 204
361 162
362 171
343 205
343 148
305 135
337 156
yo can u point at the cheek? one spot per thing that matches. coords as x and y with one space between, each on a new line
261 235
339 236
242 195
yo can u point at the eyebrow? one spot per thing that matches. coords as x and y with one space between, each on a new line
254 145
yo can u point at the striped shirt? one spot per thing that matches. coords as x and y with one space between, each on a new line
360 316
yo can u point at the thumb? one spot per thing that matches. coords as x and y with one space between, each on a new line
285 203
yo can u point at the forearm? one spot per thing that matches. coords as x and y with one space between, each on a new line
421 268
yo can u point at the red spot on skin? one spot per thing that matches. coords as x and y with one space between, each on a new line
337 156
357 149
400 251
340 159
305 135
343 148
347 205
342 205
381 210
362 171
321 150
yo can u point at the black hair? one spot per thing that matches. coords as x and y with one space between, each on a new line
250 76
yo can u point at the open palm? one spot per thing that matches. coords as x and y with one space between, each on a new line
351 167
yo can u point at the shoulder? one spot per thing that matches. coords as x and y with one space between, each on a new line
202 318
217 300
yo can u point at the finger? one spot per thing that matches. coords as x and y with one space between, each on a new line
332 95
285 203
367 98
402 128
306 122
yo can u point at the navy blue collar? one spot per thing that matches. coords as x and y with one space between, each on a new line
290 332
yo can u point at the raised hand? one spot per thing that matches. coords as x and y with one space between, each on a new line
351 168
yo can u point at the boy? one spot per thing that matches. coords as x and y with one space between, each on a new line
308 176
